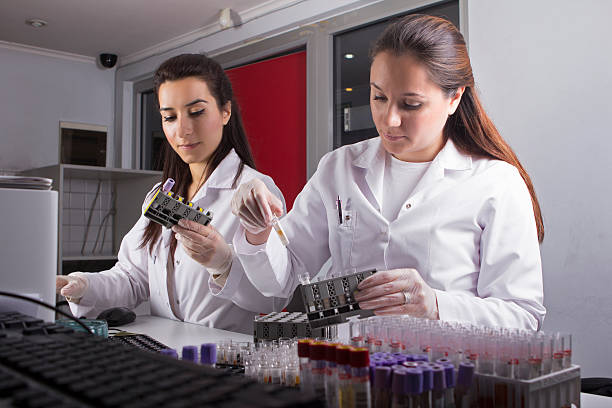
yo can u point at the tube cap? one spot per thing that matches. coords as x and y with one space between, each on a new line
360 357
382 377
169 352
343 355
465 374
303 348
398 381
330 352
439 379
168 184
208 353
414 381
317 350
190 353
427 377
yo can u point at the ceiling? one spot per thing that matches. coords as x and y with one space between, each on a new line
132 29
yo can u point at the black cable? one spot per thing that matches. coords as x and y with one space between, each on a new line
48 306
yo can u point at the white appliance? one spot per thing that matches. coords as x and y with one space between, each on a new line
28 248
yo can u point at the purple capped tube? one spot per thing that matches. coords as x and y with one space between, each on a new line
190 353
208 354
439 387
381 395
168 184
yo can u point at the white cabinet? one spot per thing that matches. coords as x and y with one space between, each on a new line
97 207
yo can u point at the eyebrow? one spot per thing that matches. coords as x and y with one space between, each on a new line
404 94
186 105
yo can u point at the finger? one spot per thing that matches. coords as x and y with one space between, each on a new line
276 205
69 289
192 226
378 278
381 290
192 243
255 208
253 218
261 198
394 299
60 282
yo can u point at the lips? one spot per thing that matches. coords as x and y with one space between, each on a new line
392 138
189 146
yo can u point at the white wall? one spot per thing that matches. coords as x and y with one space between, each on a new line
39 91
543 69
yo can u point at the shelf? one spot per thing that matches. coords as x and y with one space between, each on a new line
89 258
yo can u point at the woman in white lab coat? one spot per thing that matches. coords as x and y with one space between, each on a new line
181 270
438 203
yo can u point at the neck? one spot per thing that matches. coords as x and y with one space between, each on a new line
199 174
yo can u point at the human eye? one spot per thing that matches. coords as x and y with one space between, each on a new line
411 106
197 112
379 98
168 118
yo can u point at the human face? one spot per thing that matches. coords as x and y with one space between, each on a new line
408 109
191 119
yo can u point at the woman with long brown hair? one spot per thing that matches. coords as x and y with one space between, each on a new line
439 203
185 272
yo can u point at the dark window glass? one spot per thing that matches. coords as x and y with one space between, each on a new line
152 135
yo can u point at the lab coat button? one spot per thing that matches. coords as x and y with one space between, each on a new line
408 205
178 262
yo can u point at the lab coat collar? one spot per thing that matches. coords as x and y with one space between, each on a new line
372 159
222 177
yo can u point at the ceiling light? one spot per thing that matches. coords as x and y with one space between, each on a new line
348 55
348 89
36 22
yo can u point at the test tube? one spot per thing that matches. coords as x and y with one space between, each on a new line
380 392
439 387
279 230
398 388
208 354
465 375
169 352
427 386
414 386
343 361
304 361
331 375
449 378
190 353
317 367
168 184
356 333
360 377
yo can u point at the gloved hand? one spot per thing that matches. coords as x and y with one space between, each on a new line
255 205
205 245
72 286
398 291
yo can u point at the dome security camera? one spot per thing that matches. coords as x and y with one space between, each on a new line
108 60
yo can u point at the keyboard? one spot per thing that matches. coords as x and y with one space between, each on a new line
47 365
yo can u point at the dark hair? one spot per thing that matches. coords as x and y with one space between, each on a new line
234 135
440 47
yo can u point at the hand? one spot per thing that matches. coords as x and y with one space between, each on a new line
72 286
204 244
255 206
384 291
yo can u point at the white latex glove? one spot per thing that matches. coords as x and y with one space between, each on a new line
398 291
72 286
205 245
255 206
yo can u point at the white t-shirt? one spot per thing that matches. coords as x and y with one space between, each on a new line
400 179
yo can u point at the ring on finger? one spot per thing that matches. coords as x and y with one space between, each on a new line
406 297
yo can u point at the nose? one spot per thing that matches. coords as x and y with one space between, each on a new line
185 126
392 117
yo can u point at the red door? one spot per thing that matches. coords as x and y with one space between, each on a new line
272 99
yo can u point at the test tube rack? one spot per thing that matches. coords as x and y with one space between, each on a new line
276 325
557 389
167 209
331 301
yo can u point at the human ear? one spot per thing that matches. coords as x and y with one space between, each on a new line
226 112
455 99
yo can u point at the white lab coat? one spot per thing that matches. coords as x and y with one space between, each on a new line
468 228
139 276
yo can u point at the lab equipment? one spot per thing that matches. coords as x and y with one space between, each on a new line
276 325
142 341
166 209
279 230
360 377
94 372
97 327
331 301
117 316
208 354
